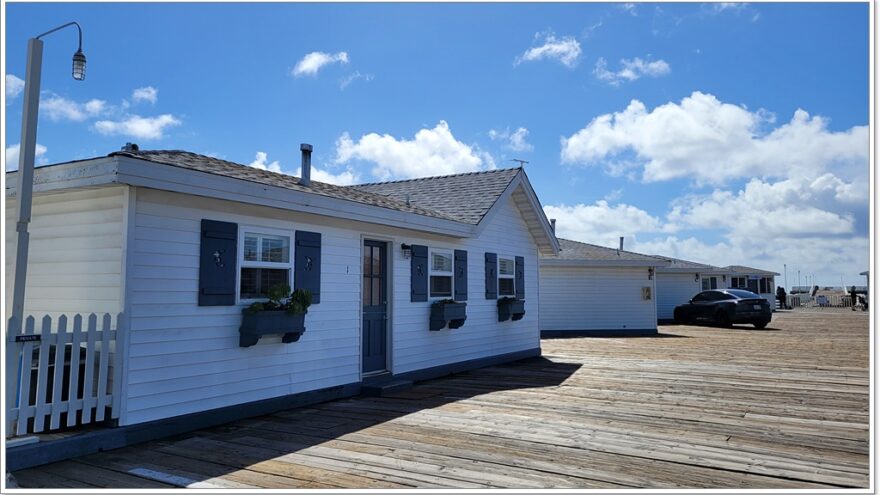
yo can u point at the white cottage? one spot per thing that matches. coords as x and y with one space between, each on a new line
178 244
681 280
761 282
592 290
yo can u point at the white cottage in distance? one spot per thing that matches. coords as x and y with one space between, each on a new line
179 243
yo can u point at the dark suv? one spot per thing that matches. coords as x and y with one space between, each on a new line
725 307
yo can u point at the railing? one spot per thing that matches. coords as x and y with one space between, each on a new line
822 301
59 378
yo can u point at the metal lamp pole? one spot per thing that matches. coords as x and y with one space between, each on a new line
27 152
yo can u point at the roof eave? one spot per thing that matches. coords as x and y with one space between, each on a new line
545 261
540 228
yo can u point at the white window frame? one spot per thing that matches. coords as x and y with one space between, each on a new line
512 276
437 273
242 263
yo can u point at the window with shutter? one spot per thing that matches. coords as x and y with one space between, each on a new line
265 262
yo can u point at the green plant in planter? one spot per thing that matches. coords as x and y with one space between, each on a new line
283 313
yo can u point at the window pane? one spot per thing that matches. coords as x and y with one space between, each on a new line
250 247
505 266
441 286
377 291
705 284
441 262
367 261
255 282
366 290
505 286
274 249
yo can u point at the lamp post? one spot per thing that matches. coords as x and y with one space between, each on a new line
27 152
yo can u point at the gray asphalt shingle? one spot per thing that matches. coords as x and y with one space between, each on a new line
574 250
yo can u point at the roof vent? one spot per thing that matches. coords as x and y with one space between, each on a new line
407 200
130 147
306 171
619 249
553 225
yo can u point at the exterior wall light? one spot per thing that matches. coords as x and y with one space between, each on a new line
407 250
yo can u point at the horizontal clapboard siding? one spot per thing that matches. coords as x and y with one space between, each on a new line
589 298
75 252
185 358
415 347
674 289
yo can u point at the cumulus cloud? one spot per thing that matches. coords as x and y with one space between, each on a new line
430 152
12 155
602 223
147 93
354 76
713 142
312 62
514 141
631 70
14 87
138 127
57 108
261 162
629 8
345 178
565 50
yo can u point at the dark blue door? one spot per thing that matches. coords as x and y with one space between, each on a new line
375 285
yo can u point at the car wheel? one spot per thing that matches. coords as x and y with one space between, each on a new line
722 319
760 325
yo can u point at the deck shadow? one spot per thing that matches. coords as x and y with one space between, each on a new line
270 447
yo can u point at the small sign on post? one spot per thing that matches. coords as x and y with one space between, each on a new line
28 338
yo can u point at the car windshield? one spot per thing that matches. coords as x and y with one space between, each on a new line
743 294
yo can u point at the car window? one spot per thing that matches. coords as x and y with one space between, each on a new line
725 297
744 294
702 296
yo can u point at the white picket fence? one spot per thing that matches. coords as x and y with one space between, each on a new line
53 371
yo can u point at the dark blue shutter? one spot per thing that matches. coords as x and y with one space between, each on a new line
217 263
461 270
307 263
520 278
418 278
491 276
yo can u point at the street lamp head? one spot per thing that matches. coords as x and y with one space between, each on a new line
79 65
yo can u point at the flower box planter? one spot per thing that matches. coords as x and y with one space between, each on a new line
511 309
447 313
256 324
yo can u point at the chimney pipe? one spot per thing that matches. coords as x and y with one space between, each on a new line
553 225
621 244
305 178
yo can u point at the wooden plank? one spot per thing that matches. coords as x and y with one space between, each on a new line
42 375
57 380
24 395
102 369
75 342
89 400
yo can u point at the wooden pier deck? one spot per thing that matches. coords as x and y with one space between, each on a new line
785 407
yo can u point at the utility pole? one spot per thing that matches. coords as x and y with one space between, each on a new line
785 272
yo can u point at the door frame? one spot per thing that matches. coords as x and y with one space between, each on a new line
389 304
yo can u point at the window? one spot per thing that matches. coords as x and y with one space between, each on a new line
506 272
710 283
738 282
701 297
766 285
265 261
441 273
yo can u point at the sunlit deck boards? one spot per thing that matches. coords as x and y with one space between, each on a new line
785 407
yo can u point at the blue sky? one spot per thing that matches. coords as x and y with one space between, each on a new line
721 133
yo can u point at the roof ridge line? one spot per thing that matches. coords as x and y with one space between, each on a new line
430 177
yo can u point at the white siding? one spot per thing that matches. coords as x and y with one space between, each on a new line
592 298
75 253
185 358
415 347
674 289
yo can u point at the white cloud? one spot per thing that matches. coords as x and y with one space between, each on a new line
345 178
354 76
14 87
12 155
631 70
310 64
713 142
431 152
566 50
261 160
147 93
58 108
515 141
138 127
733 6
629 8
601 223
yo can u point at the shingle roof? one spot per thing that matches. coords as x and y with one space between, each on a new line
748 269
574 250
680 263
211 165
464 197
